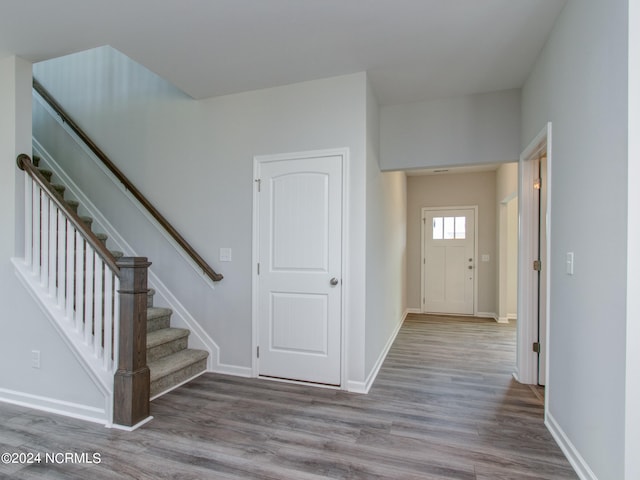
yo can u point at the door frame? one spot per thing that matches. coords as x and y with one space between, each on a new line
258 160
526 359
423 211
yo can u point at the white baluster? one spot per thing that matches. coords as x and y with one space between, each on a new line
88 295
37 229
28 221
98 322
44 247
53 248
79 315
62 259
71 269
108 318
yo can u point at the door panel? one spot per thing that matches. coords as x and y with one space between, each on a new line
448 263
300 252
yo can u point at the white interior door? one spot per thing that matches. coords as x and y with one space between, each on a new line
449 260
300 258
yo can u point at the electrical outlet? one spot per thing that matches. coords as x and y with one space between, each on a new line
35 358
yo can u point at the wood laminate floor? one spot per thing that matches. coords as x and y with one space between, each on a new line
444 406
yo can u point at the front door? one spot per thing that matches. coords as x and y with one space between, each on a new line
448 260
299 292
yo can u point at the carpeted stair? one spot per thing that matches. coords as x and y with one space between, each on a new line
170 361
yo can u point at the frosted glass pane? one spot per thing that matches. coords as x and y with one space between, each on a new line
449 228
437 228
461 227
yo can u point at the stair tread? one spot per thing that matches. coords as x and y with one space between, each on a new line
175 362
155 312
165 335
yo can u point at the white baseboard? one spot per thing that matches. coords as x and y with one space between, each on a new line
234 370
52 405
412 310
512 316
492 315
364 387
502 320
134 427
575 459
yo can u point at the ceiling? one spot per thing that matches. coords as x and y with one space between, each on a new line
413 50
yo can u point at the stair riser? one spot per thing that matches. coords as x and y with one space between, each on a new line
158 323
165 349
164 383
150 295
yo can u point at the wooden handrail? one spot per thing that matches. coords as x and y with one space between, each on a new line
25 163
216 277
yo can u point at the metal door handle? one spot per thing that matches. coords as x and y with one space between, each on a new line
333 281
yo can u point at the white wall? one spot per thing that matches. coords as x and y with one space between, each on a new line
386 248
60 384
474 129
579 83
194 161
462 189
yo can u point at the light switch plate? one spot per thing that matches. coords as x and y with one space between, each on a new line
225 254
569 263
485 257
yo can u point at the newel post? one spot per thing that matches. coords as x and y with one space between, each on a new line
132 379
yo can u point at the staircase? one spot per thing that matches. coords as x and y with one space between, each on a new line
170 361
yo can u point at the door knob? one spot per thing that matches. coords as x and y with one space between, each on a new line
470 267
333 281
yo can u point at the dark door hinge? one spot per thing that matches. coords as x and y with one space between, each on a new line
536 347
258 351
259 182
537 265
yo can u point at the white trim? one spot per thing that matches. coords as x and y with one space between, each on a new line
414 310
238 371
134 427
52 405
475 255
181 317
503 262
299 382
526 359
632 380
491 315
570 451
255 258
364 387
124 190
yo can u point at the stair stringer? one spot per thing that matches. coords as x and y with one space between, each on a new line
74 340
181 317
